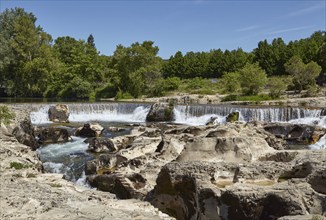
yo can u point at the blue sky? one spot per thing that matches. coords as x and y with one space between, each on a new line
194 25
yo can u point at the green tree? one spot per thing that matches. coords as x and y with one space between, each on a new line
304 75
277 86
230 82
28 61
252 79
90 40
138 67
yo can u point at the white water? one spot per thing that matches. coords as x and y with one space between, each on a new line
62 149
190 115
97 112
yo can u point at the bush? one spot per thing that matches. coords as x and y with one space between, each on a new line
123 95
252 98
277 86
6 115
252 79
108 91
230 82
18 166
172 83
76 88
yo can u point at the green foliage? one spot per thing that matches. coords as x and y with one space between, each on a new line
107 91
19 166
252 79
123 95
304 75
277 86
6 115
76 88
251 98
31 65
230 82
137 66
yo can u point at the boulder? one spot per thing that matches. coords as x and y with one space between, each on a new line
53 135
59 113
24 133
297 134
100 145
230 142
264 202
124 186
187 190
160 112
105 163
109 183
232 117
89 130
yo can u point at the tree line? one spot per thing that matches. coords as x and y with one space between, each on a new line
32 64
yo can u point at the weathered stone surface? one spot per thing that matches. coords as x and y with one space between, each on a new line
258 202
89 130
105 163
295 133
59 113
53 135
100 145
232 117
24 133
280 156
231 142
27 193
160 112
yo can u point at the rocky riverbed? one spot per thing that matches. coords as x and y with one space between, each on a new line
28 193
231 171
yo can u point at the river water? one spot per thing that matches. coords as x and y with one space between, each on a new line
70 158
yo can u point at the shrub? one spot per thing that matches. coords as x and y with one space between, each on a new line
18 166
123 95
277 86
252 98
6 115
230 82
252 79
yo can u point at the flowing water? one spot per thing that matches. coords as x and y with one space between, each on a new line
69 158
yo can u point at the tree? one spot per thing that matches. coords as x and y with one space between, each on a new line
277 86
252 79
230 82
28 61
90 40
138 67
304 75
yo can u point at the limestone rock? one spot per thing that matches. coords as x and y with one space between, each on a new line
160 112
24 133
230 142
89 130
59 113
296 133
53 135
100 145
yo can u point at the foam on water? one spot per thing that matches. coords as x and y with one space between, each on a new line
54 167
62 149
96 112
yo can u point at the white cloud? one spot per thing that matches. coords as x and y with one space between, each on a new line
248 28
307 10
290 29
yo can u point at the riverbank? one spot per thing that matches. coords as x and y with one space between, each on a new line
27 193
185 98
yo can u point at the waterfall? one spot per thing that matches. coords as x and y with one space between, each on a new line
108 112
269 114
